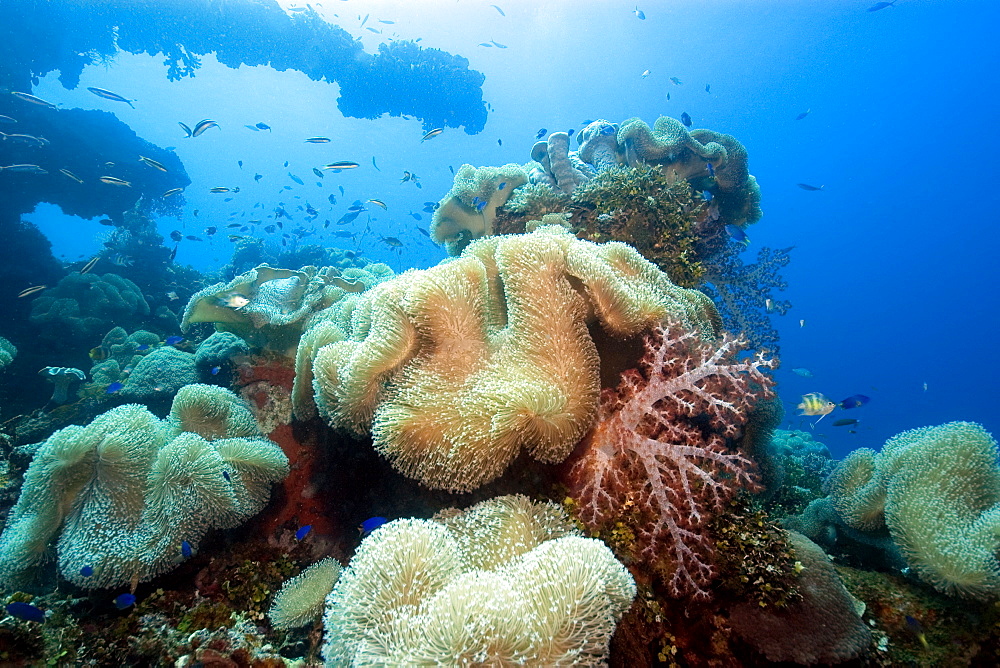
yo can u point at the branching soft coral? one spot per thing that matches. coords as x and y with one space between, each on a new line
659 454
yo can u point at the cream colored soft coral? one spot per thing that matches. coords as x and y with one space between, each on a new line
455 369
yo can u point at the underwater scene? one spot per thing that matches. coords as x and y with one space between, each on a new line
460 333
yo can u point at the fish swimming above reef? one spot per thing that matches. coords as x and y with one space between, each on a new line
27 292
802 371
639 14
115 181
123 601
204 125
28 97
67 173
737 234
881 5
371 523
676 81
152 163
318 140
540 133
686 119
342 164
806 186
815 403
296 179
431 134
108 95
263 126
24 169
845 422
803 114
392 242
854 401
25 611
498 44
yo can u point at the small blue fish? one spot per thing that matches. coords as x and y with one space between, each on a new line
296 179
571 131
215 370
686 119
737 234
303 532
142 346
185 549
371 524
225 474
25 611
481 206
855 401
87 571
639 14
263 126
173 340
475 201
881 5
502 186
114 387
711 168
540 133
416 216
706 195
123 601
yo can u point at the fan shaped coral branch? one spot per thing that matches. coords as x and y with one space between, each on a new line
660 449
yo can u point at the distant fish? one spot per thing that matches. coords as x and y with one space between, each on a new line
676 81
90 265
374 165
708 88
668 95
219 189
711 169
803 114
846 422
28 97
815 403
498 9
111 180
24 169
686 119
108 95
374 30
881 5
855 401
737 234
252 127
423 232
644 74
639 14
176 235
343 234
215 372
152 163
114 387
186 129
318 173
343 164
318 140
431 134
172 191
173 340
415 216
498 44
191 237
487 44
303 532
387 22
371 523
204 125
67 173
25 611
258 177
806 186
263 126
392 242
123 601
802 371
540 133
296 179
802 323
7 119
499 142
378 202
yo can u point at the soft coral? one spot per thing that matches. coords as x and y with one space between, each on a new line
661 449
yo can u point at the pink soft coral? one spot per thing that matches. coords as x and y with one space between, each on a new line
660 450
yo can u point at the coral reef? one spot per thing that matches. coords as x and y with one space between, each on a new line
557 167
506 582
160 374
455 369
937 491
7 352
824 626
128 489
300 600
659 455
269 307
218 349
743 293
82 306
467 212
62 378
670 146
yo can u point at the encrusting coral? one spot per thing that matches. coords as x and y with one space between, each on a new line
269 307
128 488
937 490
457 368
508 582
660 454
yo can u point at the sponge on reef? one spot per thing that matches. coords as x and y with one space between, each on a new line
415 592
456 368
126 489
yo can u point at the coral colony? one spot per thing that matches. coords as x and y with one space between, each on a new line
557 447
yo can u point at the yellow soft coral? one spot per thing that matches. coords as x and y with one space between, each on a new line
455 369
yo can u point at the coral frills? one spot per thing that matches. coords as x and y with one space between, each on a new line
455 369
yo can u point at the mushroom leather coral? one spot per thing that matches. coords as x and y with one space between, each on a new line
455 369
660 449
